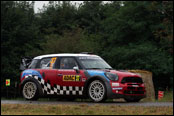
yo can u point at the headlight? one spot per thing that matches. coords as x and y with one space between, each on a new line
111 76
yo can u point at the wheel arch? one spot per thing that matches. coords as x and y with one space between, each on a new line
96 77
32 80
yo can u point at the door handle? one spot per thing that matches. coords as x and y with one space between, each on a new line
59 74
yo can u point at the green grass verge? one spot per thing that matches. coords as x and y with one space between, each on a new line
83 109
168 97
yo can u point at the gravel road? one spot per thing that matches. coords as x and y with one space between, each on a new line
88 103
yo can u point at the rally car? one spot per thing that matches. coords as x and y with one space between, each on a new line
78 75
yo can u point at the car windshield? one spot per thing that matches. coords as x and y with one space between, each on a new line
94 63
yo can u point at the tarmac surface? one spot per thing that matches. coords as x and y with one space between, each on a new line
88 103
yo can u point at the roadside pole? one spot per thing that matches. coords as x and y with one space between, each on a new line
15 89
7 83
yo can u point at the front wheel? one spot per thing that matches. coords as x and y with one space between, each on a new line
97 91
30 91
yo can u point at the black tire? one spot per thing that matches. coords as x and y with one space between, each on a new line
97 91
132 100
30 90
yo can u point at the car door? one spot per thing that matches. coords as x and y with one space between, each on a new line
70 79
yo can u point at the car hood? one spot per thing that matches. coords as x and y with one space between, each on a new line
119 73
125 73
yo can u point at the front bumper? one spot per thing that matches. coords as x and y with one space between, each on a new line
127 90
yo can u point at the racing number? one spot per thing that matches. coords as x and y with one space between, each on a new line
52 61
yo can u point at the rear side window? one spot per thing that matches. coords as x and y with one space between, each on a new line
33 64
47 63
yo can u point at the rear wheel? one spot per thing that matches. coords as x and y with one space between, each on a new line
30 91
97 91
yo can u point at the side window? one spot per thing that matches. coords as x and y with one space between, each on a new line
68 63
47 63
33 64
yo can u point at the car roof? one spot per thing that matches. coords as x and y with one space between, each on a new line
63 54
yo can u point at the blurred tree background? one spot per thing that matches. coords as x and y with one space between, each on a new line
128 35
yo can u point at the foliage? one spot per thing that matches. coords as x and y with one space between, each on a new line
71 42
19 34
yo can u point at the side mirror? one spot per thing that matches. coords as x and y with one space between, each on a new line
76 69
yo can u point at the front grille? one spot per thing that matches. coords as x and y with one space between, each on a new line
134 88
133 92
131 80
131 88
140 88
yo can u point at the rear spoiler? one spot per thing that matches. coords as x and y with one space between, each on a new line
25 62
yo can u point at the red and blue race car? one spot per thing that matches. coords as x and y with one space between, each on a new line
78 75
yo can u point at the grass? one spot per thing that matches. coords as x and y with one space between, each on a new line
83 109
29 109
168 97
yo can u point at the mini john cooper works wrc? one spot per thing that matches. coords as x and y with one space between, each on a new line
78 75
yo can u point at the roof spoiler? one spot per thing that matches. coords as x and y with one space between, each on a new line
25 62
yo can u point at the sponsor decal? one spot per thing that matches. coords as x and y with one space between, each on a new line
71 78
7 82
83 79
120 88
115 84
